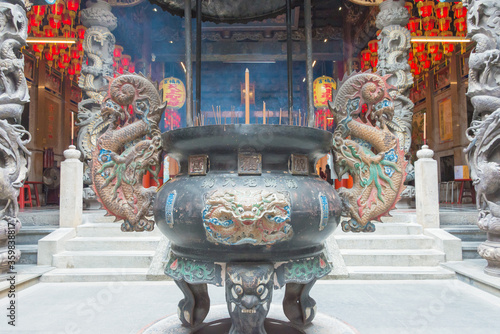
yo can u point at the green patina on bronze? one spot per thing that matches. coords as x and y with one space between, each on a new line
193 272
306 270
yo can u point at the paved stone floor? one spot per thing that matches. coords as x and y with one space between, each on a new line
385 307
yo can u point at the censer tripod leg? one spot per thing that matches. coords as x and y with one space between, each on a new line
194 307
298 306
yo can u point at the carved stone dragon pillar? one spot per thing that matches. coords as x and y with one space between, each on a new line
14 156
98 46
483 152
393 49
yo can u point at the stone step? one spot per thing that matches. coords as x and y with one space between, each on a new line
103 259
469 250
398 273
29 254
122 243
110 230
40 216
29 235
96 275
368 241
392 257
466 232
389 229
458 218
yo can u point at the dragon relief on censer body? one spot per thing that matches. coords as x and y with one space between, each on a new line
367 149
256 217
129 148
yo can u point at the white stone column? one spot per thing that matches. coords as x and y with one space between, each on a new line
426 188
71 203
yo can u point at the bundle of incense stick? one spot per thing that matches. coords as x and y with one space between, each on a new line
280 116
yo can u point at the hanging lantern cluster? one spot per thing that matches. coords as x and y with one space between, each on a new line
121 61
434 18
58 20
369 56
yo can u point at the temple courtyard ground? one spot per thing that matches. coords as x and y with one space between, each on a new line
381 306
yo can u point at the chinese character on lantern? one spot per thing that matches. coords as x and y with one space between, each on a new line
174 92
323 88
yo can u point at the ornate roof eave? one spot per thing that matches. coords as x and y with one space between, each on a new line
229 11
124 3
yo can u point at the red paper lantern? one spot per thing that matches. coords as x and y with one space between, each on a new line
422 57
117 53
425 8
73 5
414 25
54 21
437 57
38 10
34 21
373 46
80 31
442 10
461 24
50 57
126 60
374 62
48 31
131 68
62 65
459 10
426 64
71 70
417 71
66 19
57 8
67 32
432 33
38 47
65 58
120 70
62 46
444 24
409 7
418 47
366 55
433 48
428 23
79 46
78 68
55 50
74 52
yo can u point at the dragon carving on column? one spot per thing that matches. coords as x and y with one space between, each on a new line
483 153
393 52
367 149
14 94
129 147
98 45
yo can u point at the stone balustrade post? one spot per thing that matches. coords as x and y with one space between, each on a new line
71 203
426 188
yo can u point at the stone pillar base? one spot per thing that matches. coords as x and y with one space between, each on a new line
490 251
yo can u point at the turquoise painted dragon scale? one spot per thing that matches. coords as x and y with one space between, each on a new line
127 150
367 149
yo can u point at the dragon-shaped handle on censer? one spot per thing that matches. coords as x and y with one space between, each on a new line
130 147
366 149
